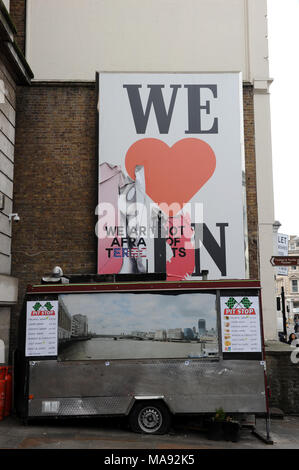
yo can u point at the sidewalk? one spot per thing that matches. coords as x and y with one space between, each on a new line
113 434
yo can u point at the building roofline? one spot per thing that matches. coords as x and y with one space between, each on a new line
11 51
4 14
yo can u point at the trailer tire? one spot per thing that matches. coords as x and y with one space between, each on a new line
150 418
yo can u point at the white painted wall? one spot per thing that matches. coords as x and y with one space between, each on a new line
7 140
8 289
2 351
4 333
70 39
6 3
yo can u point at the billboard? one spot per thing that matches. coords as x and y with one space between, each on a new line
171 175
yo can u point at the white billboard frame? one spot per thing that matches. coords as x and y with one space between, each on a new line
114 165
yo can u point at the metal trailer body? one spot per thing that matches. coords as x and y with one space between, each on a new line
51 387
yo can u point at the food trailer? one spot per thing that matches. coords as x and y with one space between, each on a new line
145 350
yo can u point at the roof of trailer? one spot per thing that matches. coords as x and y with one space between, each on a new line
143 286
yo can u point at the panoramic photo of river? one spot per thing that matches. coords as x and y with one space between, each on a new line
136 326
109 348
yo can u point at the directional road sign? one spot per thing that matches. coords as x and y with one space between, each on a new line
284 260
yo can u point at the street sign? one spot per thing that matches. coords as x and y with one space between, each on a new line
284 260
282 250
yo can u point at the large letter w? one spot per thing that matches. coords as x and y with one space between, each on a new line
156 99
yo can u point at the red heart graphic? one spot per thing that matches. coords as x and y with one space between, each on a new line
172 174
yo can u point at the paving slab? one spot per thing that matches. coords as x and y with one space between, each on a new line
114 434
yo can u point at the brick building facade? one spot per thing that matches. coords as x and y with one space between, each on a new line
14 71
56 177
56 188
56 185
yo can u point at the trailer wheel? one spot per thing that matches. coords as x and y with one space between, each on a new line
150 418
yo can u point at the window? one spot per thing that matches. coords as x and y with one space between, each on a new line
294 285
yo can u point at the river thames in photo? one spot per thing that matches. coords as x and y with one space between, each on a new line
109 348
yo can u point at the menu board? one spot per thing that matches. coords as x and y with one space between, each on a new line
240 324
42 328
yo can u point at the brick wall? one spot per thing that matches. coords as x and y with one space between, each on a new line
18 16
250 171
55 190
283 379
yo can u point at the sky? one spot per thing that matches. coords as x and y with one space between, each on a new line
283 37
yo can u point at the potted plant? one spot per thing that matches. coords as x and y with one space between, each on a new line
231 429
215 427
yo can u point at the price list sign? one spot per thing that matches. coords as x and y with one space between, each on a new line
240 324
42 328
